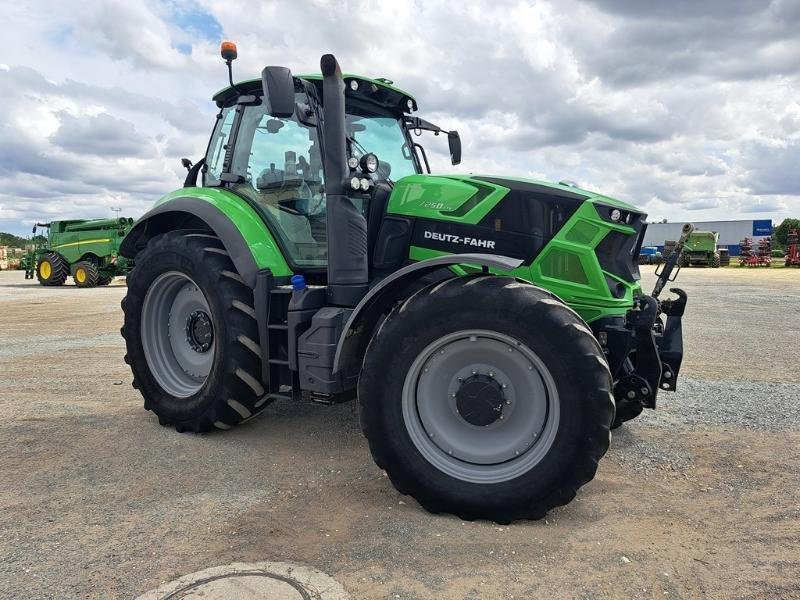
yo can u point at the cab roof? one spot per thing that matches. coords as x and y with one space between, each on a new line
380 91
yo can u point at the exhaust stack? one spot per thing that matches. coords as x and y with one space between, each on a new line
348 268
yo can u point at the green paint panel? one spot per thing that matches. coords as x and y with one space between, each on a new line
444 198
262 244
702 241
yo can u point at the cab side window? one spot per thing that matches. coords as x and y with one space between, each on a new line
280 165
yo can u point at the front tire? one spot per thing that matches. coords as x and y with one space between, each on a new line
497 404
191 334
51 270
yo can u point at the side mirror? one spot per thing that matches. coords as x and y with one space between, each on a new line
454 141
187 164
278 85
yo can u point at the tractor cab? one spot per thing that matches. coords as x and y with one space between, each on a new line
275 160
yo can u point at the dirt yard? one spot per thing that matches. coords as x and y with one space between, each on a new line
700 499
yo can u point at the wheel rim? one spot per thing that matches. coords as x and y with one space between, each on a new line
45 270
80 275
480 406
177 334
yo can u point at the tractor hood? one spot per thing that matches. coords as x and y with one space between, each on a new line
583 243
470 198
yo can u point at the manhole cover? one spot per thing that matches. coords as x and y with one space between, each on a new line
242 581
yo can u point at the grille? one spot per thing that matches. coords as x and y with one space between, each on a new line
618 253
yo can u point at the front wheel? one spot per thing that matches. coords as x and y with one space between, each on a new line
486 398
191 334
51 269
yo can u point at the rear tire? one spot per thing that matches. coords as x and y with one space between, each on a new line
490 339
85 274
105 279
715 261
192 380
51 269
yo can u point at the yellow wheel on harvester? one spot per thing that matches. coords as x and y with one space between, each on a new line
85 274
51 269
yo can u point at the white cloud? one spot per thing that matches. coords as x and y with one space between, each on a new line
657 104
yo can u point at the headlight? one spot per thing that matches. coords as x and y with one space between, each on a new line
352 162
365 184
616 215
353 85
355 183
410 104
369 163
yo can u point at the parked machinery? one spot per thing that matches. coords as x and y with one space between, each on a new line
493 328
751 255
701 250
86 249
649 255
792 249
724 257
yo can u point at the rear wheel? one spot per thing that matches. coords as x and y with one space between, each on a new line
191 334
715 260
51 269
105 279
85 274
498 403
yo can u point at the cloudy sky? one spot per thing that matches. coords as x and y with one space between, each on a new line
688 109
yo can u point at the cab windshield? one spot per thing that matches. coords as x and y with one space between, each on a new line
382 135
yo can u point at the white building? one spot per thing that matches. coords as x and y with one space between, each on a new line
730 232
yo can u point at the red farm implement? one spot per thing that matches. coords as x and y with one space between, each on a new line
792 249
750 256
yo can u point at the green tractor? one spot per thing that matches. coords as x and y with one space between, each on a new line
86 249
493 329
701 250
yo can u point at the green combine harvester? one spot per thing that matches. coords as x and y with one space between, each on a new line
701 250
494 329
86 249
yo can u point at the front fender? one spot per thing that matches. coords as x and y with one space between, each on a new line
241 230
358 329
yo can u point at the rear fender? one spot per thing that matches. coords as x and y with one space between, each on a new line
367 314
242 232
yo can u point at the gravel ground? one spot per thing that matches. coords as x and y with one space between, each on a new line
697 499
